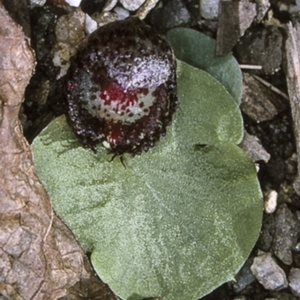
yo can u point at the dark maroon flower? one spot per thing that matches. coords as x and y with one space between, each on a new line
121 88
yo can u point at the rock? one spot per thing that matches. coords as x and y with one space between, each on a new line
294 9
287 229
259 102
69 32
90 24
244 277
36 3
69 28
262 6
109 5
121 12
209 9
294 279
291 170
105 17
132 5
74 3
296 256
253 148
44 38
298 218
261 46
270 201
268 273
267 233
208 25
282 296
172 14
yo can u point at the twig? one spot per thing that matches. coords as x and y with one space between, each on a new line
251 67
271 87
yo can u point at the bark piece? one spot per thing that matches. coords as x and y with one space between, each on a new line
234 18
39 257
292 52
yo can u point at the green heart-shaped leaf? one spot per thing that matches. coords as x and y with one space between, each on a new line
198 50
178 221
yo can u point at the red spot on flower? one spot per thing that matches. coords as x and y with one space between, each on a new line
114 134
114 92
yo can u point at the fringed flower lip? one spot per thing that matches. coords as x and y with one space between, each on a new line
121 88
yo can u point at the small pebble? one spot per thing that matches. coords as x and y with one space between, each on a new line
74 3
268 273
90 24
297 247
145 9
110 4
294 279
69 28
173 14
121 12
291 168
105 17
37 3
132 5
283 6
294 9
257 167
265 240
209 9
252 147
262 6
69 32
270 201
244 277
287 229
